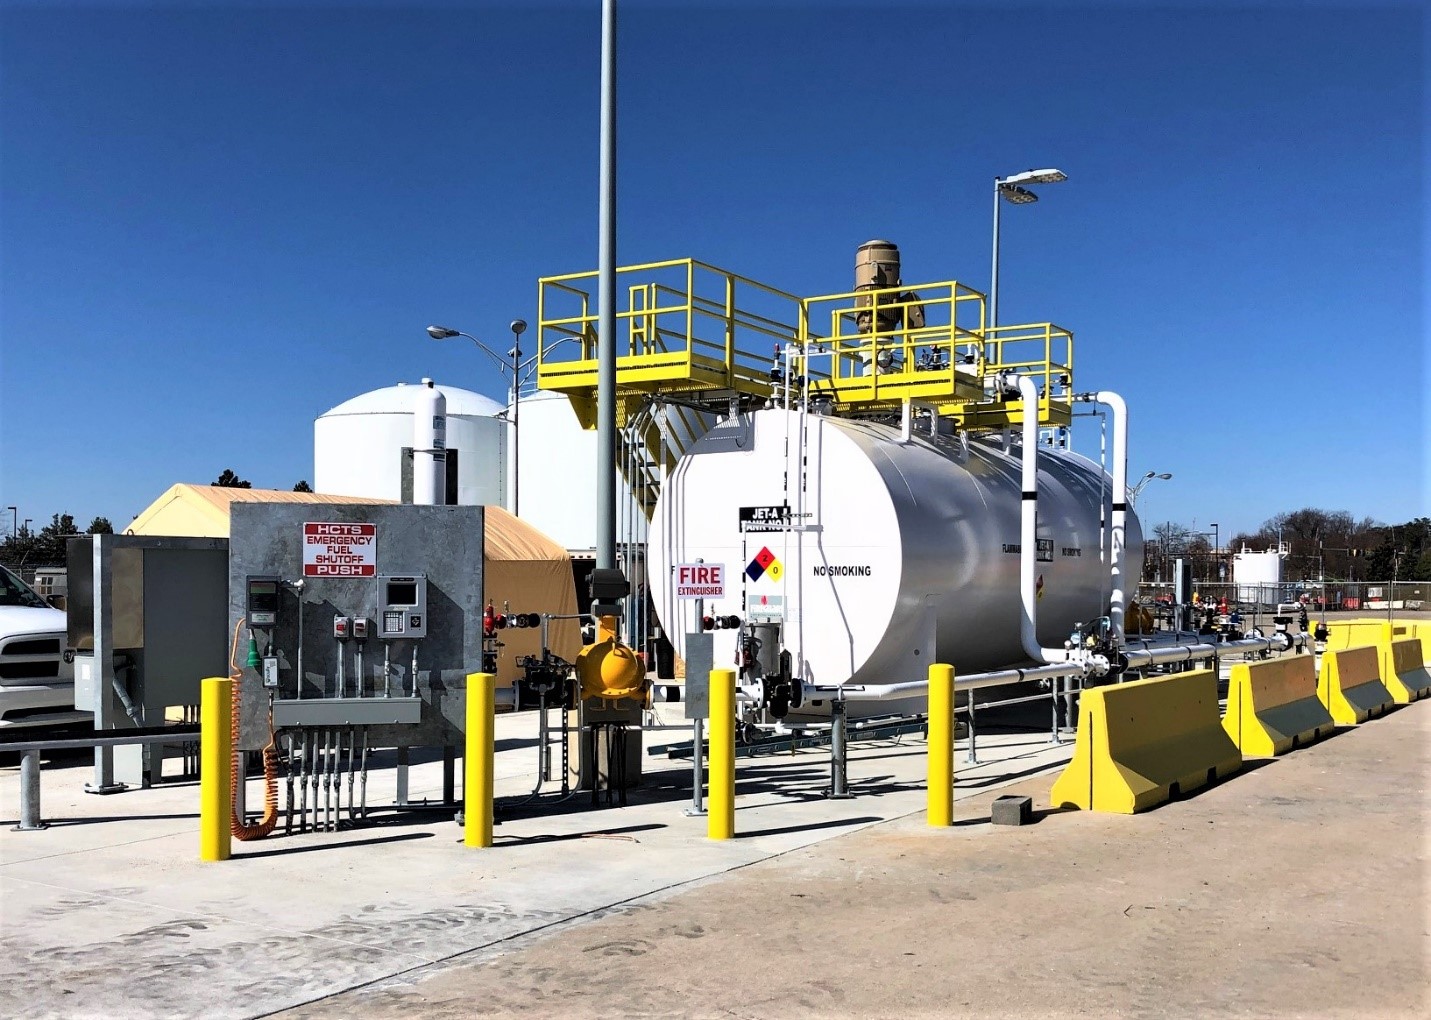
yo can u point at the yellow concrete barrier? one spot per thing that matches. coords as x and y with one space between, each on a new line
720 810
1403 671
1350 685
1139 741
1385 635
479 760
1272 706
215 761
941 745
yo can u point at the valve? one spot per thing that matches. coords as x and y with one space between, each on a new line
720 622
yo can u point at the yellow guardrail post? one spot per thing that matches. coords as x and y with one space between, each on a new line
477 763
215 759
941 745
720 811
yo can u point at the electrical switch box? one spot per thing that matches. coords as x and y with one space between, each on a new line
362 627
402 606
342 628
262 600
270 671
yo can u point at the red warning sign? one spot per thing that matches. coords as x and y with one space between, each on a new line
332 549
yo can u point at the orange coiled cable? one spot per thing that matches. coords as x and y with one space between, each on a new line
270 759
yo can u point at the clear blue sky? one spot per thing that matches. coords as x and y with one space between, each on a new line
217 223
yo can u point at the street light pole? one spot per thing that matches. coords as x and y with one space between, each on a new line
1011 189
14 520
1142 482
1216 551
518 327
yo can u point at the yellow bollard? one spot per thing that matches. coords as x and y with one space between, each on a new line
478 759
941 745
216 753
720 811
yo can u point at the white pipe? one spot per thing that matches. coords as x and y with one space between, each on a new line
906 422
1028 529
1118 599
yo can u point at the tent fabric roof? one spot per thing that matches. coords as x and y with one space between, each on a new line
400 399
202 511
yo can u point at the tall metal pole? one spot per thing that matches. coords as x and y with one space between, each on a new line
606 303
516 430
994 269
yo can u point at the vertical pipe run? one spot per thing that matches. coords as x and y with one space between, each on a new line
720 820
941 745
606 298
478 760
1118 599
215 762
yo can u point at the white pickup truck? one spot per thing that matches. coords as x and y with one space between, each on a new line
36 684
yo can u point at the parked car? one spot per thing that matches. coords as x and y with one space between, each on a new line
36 683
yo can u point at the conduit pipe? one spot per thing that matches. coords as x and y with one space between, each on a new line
1186 653
1118 599
973 681
1028 528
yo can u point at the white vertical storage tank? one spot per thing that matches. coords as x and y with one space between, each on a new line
357 446
1258 576
558 463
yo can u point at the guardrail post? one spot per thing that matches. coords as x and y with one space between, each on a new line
720 817
478 761
30 792
941 745
215 761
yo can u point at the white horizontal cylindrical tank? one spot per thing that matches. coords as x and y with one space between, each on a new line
908 552
357 446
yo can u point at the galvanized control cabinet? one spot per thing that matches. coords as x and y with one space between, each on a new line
374 618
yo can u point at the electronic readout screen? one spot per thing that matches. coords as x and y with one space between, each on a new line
402 593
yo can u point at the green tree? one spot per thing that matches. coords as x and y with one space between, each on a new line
100 526
303 486
229 480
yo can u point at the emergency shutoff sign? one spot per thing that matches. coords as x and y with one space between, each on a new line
340 550
700 581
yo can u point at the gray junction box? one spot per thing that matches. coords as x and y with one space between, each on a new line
339 566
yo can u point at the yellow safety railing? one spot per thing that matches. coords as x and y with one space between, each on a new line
1041 351
900 343
684 325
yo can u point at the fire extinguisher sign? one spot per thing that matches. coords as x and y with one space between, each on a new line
700 580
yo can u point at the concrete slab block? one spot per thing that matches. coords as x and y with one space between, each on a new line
1011 811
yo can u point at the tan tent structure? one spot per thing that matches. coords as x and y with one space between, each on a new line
524 569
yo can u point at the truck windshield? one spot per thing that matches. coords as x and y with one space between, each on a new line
15 592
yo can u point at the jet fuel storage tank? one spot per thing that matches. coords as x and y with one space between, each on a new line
886 553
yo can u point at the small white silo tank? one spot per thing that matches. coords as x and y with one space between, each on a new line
357 446
558 467
1258 575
